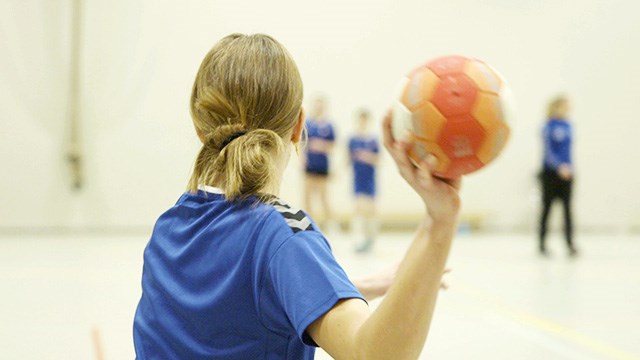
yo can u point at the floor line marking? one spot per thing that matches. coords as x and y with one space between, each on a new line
543 324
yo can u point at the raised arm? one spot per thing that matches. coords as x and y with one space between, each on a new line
398 328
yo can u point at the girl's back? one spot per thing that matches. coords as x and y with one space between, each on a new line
224 280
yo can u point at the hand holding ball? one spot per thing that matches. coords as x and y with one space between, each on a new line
456 109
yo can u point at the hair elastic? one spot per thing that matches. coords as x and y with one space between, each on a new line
232 137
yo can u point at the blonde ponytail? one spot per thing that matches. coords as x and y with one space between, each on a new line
245 101
248 164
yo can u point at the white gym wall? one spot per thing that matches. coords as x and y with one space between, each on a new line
139 58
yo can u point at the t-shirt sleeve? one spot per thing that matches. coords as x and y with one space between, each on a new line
307 280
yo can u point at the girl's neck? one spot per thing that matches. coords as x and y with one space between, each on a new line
281 165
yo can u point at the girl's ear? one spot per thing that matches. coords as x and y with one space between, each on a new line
297 129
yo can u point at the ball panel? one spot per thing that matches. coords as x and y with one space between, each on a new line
488 111
483 76
493 144
447 65
402 124
462 166
428 122
455 95
507 104
421 86
401 88
461 137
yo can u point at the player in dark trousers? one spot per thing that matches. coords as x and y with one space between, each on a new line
232 272
557 172
363 152
321 138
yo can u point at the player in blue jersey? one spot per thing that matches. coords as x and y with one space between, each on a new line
557 172
363 153
321 139
233 272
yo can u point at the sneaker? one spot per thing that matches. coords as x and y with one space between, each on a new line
365 247
573 252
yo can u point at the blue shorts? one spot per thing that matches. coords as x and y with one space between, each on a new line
317 164
364 186
317 171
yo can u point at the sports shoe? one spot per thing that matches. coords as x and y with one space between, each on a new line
365 247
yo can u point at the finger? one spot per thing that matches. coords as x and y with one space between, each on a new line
432 162
387 133
424 175
406 167
403 160
407 172
443 284
397 149
455 183
401 153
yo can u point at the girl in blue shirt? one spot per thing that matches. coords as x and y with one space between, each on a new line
233 272
321 138
557 172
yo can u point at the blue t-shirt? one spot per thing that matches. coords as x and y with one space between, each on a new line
557 135
363 173
318 162
234 280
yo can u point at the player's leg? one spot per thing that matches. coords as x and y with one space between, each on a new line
366 205
568 221
547 200
322 186
365 193
371 219
358 220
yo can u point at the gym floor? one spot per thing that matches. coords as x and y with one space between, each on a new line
74 296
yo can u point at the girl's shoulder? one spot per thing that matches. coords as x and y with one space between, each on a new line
294 218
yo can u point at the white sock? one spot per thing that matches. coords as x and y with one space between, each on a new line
371 227
357 226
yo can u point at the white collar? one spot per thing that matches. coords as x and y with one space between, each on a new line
211 189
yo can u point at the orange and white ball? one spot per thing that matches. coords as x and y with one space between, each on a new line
457 109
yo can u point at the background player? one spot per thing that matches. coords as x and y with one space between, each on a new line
321 138
363 152
557 172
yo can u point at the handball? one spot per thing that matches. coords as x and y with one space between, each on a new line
457 109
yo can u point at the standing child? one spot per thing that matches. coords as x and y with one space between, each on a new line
363 152
557 170
321 138
233 272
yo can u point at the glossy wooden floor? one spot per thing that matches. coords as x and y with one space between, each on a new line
60 293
